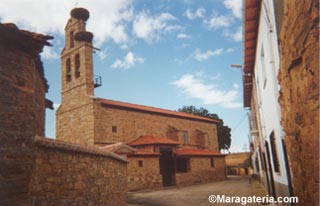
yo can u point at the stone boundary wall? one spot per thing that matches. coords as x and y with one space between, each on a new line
69 174
299 95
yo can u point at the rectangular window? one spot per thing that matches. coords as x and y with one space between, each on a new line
114 129
183 165
140 163
212 162
274 152
185 137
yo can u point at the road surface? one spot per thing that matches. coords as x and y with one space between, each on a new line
197 195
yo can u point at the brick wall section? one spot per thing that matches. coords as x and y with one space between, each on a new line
299 99
201 171
146 177
132 124
22 107
64 176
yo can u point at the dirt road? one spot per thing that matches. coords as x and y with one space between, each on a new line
197 195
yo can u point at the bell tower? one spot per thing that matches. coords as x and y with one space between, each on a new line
74 118
76 57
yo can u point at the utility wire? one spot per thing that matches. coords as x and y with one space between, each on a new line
238 124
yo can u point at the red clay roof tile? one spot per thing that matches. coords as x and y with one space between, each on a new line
118 148
197 152
57 144
144 153
142 108
151 140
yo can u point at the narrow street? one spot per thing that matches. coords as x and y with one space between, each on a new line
241 186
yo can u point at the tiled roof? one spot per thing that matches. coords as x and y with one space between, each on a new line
25 39
118 148
142 108
56 144
250 26
197 152
151 140
32 43
144 153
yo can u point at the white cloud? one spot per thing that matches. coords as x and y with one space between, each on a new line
199 13
216 77
217 21
234 35
102 54
48 53
183 36
36 15
201 56
107 18
230 50
151 28
194 87
235 85
129 61
124 47
235 6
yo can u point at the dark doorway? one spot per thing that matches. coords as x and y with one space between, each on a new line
167 168
287 169
272 188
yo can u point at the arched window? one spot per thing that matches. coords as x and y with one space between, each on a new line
68 70
77 65
71 39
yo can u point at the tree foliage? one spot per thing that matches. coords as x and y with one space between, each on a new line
224 132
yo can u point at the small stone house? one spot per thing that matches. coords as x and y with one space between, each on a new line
163 147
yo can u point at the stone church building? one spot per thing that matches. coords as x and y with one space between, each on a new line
163 147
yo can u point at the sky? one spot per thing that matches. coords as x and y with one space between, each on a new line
160 53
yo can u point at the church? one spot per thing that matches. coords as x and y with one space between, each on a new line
163 147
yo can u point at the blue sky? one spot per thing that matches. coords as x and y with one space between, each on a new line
163 53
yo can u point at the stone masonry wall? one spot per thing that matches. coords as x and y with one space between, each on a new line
22 107
75 125
201 171
146 177
299 97
65 177
132 124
